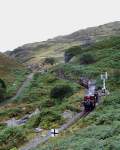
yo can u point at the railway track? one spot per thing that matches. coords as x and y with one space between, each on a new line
38 139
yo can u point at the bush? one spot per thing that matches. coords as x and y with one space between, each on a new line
14 112
2 90
70 52
46 119
48 103
49 60
116 76
11 137
61 91
87 59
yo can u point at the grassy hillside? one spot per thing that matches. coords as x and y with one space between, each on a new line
38 95
12 73
53 94
100 129
35 52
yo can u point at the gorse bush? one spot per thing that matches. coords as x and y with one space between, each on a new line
61 91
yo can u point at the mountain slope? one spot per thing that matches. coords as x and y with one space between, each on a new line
35 52
100 130
11 72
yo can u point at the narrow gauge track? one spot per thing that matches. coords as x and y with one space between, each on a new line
38 139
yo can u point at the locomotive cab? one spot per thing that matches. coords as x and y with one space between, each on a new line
89 103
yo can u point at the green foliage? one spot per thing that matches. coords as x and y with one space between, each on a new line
75 50
70 52
38 94
14 148
11 137
2 84
116 76
87 58
100 130
20 76
2 90
14 112
46 119
61 91
49 60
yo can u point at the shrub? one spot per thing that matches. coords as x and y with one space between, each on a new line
87 59
14 112
11 137
2 89
116 76
2 84
49 60
47 119
61 91
75 50
48 103
70 52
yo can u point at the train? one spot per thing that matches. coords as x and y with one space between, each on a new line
89 103
91 97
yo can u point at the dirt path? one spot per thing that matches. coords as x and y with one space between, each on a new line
24 85
20 90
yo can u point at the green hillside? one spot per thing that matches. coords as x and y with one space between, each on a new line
55 91
12 73
100 129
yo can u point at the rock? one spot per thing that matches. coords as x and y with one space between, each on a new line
67 57
68 114
11 123
37 111
38 130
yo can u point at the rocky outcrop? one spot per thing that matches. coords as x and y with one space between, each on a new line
67 57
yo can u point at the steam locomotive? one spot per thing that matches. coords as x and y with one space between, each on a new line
91 98
89 102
